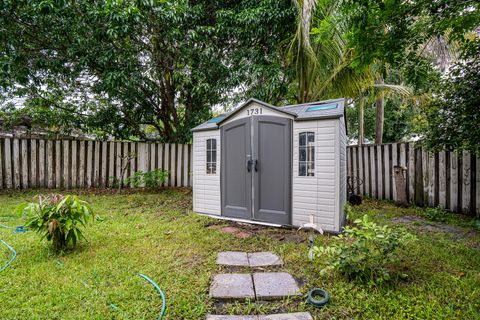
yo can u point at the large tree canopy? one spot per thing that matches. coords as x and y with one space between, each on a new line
454 116
124 68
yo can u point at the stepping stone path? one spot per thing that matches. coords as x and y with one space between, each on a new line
259 285
274 285
233 286
254 260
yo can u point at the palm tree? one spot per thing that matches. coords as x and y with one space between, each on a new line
323 63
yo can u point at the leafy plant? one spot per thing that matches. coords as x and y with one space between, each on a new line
363 252
58 218
436 214
150 179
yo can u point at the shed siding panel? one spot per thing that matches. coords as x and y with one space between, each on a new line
206 187
316 195
343 171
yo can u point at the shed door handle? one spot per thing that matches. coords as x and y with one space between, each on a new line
249 165
256 165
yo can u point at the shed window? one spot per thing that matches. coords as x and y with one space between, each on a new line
211 156
306 152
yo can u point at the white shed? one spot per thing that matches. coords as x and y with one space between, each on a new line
273 165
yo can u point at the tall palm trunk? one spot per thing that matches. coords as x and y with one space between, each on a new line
361 134
380 114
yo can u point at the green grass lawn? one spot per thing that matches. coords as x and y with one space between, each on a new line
156 234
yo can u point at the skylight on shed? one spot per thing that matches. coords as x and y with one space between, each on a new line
321 107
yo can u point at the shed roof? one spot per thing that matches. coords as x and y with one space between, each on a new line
325 109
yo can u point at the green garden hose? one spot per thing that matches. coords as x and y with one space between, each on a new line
13 258
162 295
318 302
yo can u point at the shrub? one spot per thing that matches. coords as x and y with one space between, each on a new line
436 214
150 179
58 218
364 251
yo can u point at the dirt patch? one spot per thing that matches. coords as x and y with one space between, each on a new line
246 230
424 225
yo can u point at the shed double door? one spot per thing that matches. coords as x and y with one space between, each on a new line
256 169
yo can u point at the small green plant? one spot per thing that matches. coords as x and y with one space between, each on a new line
436 214
58 218
155 178
363 252
150 179
136 180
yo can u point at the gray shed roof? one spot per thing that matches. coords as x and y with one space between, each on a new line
326 109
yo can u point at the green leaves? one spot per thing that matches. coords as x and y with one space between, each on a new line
363 252
453 116
58 218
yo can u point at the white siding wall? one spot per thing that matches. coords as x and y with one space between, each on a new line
206 187
317 195
343 168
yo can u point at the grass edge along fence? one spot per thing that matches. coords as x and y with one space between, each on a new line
444 179
68 164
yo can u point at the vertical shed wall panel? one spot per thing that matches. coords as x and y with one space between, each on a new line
206 187
317 195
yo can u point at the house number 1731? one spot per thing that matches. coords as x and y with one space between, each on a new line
254 111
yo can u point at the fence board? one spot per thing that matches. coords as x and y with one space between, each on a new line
173 154
66 164
411 172
74 175
96 163
111 163
134 152
442 179
179 165
33 164
8 163
466 183
118 161
50 164
431 179
366 171
16 163
190 163
41 164
453 181
153 157
425 177
380 173
104 164
393 164
24 160
186 172
373 174
58 164
386 168
166 163
360 170
82 165
90 165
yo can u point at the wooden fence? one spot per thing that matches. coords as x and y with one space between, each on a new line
446 179
64 164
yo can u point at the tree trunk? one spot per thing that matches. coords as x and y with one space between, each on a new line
380 116
361 134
